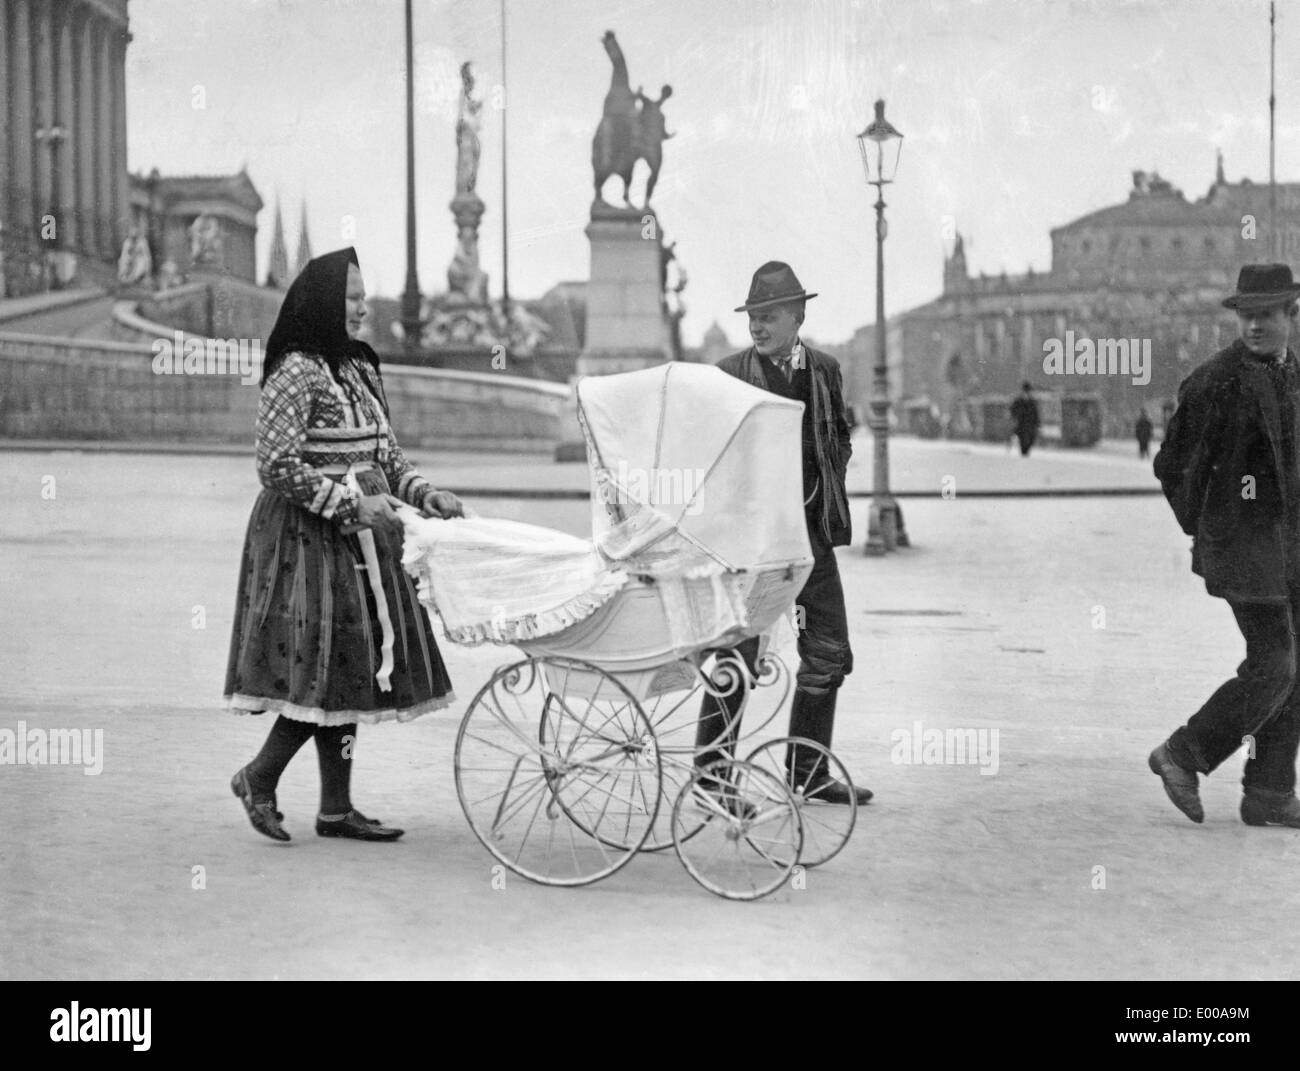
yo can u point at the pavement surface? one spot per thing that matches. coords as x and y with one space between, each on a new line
1070 627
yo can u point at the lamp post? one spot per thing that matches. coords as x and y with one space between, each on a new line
411 323
51 137
885 531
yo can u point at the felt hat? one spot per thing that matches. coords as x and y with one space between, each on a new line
773 284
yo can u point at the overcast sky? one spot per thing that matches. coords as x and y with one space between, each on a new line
1018 116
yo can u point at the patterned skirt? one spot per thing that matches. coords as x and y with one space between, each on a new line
308 634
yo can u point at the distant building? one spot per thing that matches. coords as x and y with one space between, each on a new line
64 192
715 345
164 208
1150 271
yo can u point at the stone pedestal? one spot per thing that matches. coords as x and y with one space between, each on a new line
627 326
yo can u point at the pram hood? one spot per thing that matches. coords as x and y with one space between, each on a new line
693 469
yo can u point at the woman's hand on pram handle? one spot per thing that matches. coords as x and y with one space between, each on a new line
443 504
376 511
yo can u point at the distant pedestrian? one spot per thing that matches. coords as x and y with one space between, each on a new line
1143 431
1228 466
1024 417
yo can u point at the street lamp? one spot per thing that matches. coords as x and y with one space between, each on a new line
51 137
881 146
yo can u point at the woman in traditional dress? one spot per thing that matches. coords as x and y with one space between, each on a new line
328 630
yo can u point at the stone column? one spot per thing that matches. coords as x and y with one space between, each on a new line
84 134
6 124
23 164
121 179
64 154
42 118
104 207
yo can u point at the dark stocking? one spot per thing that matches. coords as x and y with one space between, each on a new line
282 744
334 744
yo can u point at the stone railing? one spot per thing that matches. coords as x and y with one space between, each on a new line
119 391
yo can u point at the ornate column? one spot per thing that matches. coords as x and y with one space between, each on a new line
6 186
83 126
104 208
42 117
121 179
64 153
23 164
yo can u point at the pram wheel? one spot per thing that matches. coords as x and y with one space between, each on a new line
571 801
737 830
826 827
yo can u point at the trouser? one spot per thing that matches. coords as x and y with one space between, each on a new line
1026 441
825 659
1259 707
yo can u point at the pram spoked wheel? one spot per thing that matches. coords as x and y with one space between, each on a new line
826 826
737 830
570 802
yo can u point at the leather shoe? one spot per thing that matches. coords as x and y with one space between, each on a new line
356 826
1180 783
828 789
261 809
1262 807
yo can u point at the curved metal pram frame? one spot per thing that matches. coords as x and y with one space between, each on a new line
585 752
565 773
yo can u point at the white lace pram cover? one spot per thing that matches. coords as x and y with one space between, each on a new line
502 581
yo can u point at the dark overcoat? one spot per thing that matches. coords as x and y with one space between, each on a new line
830 433
1223 470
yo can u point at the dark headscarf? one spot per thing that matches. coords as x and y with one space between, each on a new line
313 318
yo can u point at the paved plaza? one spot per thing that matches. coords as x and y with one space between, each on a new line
1071 626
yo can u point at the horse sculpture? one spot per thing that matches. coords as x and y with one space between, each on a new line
631 129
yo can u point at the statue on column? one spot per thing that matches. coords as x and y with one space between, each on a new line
465 278
468 123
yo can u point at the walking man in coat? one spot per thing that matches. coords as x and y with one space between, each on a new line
1228 467
779 362
1024 415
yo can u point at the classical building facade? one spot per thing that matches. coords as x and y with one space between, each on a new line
63 136
1150 272
165 209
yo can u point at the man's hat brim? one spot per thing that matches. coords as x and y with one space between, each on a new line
766 302
1255 302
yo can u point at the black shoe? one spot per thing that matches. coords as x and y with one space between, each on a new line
1180 783
261 808
823 788
356 826
1260 807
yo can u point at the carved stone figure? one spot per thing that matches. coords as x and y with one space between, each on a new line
465 278
468 148
206 243
135 265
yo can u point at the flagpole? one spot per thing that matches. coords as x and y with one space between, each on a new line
1274 237
505 200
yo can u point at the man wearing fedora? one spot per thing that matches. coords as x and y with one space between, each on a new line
779 362
1228 467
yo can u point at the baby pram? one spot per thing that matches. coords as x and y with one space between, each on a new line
572 760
